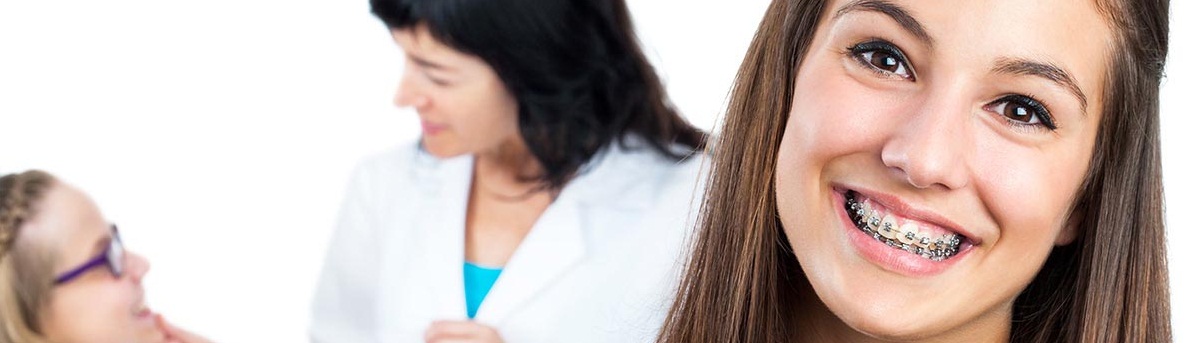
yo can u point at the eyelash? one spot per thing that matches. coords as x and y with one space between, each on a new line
1039 112
436 81
863 53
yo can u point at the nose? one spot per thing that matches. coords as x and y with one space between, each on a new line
929 151
410 93
136 266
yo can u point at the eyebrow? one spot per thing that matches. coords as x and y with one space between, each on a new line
427 63
897 13
1048 71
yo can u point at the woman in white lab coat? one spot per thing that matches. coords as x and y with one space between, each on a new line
547 199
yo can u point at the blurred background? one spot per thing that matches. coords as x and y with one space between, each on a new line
219 134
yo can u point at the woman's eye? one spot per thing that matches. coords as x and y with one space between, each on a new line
883 58
436 81
1023 110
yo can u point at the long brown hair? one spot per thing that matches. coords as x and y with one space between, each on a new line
1109 285
25 273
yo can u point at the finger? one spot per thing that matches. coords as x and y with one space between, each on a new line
454 340
443 329
176 334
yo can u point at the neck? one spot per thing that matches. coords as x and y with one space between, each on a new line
817 323
509 169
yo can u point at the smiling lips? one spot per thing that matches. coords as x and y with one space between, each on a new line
431 128
928 241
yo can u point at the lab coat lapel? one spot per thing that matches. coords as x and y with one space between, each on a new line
431 287
552 247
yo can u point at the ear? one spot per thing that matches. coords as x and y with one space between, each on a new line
1070 230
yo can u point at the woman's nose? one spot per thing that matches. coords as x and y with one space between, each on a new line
930 149
410 94
136 266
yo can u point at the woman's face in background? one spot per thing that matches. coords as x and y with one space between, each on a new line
96 306
963 127
463 105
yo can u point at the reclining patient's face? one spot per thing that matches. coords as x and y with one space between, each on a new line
95 307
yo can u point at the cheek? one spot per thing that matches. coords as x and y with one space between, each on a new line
90 314
483 115
831 116
1029 191
834 115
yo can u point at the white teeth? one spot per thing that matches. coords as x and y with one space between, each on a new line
889 228
951 240
907 233
924 242
905 236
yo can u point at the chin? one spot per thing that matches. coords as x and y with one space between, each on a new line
879 315
440 149
890 327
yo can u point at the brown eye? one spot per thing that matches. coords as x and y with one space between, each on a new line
884 58
885 61
1019 113
1023 110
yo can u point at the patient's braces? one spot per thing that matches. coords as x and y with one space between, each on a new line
934 249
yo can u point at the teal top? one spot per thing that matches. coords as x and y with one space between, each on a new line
479 280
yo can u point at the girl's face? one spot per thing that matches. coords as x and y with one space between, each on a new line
961 130
463 105
96 306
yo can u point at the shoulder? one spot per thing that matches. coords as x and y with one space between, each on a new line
639 160
635 174
404 166
396 160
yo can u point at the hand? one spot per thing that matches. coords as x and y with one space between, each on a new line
461 331
176 335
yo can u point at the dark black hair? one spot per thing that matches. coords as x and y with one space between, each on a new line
574 66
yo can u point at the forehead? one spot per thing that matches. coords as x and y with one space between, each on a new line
419 42
1072 34
68 221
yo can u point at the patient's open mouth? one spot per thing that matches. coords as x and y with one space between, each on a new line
928 241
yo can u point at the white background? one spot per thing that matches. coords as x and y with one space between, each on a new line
220 133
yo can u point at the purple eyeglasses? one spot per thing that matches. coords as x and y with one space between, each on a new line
113 256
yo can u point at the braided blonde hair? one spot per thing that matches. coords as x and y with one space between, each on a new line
25 274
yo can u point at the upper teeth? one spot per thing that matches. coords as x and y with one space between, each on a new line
906 236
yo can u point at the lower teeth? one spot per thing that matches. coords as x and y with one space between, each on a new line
944 249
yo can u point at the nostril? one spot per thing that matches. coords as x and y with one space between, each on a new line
924 167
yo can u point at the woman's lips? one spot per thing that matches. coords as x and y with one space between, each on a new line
431 128
143 311
926 220
900 232
896 256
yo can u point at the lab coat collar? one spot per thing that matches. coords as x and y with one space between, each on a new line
615 178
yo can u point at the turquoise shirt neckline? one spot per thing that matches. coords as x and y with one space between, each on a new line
478 281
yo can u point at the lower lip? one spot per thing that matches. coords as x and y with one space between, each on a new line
891 259
431 129
147 319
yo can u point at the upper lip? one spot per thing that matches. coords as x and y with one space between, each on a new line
902 208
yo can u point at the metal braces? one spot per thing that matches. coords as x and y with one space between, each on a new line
936 250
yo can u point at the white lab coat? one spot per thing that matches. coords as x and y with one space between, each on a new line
599 265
